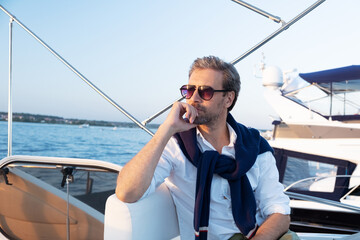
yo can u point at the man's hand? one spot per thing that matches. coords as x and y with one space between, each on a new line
175 122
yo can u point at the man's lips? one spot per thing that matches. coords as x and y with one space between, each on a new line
198 107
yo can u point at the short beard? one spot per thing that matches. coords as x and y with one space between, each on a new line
206 118
202 120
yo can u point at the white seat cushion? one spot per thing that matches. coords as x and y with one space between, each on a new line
153 217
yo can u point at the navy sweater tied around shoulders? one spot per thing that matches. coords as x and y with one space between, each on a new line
249 144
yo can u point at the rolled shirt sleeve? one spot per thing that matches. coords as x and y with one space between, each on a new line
163 168
268 191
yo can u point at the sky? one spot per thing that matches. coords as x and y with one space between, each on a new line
139 52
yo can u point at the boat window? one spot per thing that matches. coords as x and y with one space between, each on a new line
314 175
315 98
310 175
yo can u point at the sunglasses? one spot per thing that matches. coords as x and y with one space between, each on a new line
205 92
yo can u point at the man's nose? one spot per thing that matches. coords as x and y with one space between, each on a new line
196 97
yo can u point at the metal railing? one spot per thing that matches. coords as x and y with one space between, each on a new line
323 200
284 27
259 11
106 97
318 178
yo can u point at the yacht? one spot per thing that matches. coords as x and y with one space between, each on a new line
317 144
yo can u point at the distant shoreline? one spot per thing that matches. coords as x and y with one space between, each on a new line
38 118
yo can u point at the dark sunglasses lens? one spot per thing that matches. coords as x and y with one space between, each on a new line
206 93
187 91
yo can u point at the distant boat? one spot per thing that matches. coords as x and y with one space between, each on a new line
85 125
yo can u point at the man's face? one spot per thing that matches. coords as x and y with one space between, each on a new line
208 111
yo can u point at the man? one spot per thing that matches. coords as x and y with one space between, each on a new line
222 175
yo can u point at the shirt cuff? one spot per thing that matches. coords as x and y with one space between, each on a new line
277 208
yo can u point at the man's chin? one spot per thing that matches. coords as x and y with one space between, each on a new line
201 121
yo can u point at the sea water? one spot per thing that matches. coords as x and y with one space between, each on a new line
58 140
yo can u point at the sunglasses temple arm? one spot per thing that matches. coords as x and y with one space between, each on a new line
148 120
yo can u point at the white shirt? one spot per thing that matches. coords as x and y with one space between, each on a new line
180 176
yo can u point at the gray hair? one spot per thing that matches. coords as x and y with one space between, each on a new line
231 78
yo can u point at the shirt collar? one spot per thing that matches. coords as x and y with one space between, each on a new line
205 145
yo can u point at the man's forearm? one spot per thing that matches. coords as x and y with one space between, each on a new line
273 228
136 175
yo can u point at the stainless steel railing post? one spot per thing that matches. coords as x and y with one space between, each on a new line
10 91
259 11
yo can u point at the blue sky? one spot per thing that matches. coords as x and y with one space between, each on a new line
139 52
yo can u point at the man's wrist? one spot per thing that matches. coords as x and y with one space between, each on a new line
165 132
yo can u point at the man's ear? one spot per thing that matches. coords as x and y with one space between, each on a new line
229 98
